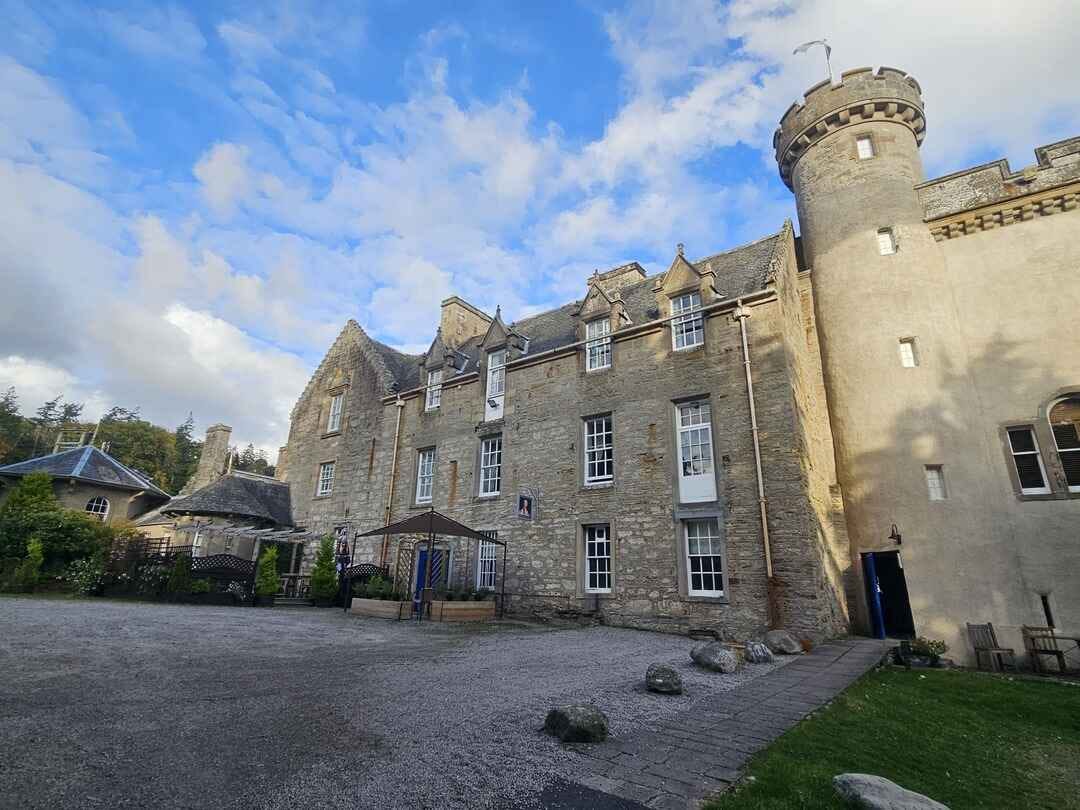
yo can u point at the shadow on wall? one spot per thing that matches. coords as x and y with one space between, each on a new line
965 556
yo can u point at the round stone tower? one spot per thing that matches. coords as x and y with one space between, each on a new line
850 153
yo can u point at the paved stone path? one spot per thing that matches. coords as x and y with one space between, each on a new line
701 751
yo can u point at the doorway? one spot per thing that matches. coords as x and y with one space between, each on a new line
441 562
887 595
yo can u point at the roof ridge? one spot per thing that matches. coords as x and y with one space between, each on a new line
78 468
738 247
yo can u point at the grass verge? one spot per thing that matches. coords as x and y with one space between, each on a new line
969 740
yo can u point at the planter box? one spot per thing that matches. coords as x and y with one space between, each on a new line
379 608
462 611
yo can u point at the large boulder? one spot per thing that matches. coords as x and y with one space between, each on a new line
781 641
715 656
577 723
878 793
663 679
758 653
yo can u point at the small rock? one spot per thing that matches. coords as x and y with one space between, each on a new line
781 641
577 723
715 656
758 653
663 679
878 793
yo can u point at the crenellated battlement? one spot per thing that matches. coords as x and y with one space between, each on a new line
993 195
861 95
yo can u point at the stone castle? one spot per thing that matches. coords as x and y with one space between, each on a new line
871 426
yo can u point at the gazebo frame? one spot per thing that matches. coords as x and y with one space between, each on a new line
431 524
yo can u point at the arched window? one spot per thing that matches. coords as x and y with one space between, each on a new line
1065 424
98 507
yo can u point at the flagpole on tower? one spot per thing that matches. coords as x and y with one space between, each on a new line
828 52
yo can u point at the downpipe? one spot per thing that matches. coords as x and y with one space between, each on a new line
390 490
740 314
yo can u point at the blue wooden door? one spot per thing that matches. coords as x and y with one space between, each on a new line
873 595
421 571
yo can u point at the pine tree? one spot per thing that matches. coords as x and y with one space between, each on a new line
267 581
324 581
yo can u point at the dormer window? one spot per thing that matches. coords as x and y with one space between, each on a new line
333 421
434 389
598 349
687 330
496 384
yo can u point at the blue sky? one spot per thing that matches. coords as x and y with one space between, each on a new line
196 197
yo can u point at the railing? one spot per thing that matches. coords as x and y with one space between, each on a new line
294 586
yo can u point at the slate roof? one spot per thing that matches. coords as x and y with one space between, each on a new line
739 271
87 464
238 494
404 368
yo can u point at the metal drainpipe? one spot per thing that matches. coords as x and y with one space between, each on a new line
390 490
741 314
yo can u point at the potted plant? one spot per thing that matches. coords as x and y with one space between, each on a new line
324 579
929 650
266 578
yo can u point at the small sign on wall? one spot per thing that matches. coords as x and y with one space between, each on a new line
528 502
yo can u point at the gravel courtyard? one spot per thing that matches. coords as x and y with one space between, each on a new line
108 704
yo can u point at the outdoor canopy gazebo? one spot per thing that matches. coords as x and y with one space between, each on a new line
431 524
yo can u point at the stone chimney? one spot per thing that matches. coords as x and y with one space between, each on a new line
615 281
213 461
461 321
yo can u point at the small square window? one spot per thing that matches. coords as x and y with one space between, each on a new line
865 147
886 242
908 357
935 482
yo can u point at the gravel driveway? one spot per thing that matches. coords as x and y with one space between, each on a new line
109 704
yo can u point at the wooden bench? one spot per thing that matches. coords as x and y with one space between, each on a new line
1040 641
984 642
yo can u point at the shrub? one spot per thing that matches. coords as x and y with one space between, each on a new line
482 595
360 590
180 575
931 648
200 586
397 596
324 579
266 576
28 573
87 576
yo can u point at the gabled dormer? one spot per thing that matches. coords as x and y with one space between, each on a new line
433 372
681 292
495 352
600 313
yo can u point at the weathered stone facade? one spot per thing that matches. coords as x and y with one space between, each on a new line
548 394
983 284
849 436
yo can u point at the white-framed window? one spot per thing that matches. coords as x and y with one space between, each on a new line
333 421
599 450
98 508
487 559
689 330
490 466
935 482
909 358
704 558
496 384
598 349
196 543
865 147
886 241
326 479
697 481
434 389
1028 461
598 559
1065 425
425 474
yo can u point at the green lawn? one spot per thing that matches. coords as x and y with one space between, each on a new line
966 739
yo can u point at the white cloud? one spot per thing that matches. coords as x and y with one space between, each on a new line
225 177
157 33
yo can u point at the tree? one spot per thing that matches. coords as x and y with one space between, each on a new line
266 577
187 452
28 573
32 511
139 444
251 460
324 581
12 425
